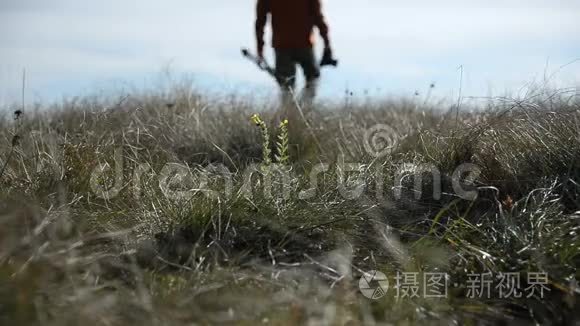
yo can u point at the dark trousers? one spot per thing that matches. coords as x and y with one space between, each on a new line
286 62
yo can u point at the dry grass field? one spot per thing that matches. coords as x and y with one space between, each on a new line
176 208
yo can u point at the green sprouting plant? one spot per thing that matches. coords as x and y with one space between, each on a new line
266 151
282 144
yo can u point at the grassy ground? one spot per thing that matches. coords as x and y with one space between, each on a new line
197 228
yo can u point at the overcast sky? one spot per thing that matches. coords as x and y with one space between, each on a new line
71 47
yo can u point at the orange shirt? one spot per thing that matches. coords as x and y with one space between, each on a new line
293 22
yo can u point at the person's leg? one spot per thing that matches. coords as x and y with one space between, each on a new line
285 73
307 61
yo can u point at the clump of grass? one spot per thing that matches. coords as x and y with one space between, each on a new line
14 142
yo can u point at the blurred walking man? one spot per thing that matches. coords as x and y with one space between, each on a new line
293 23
